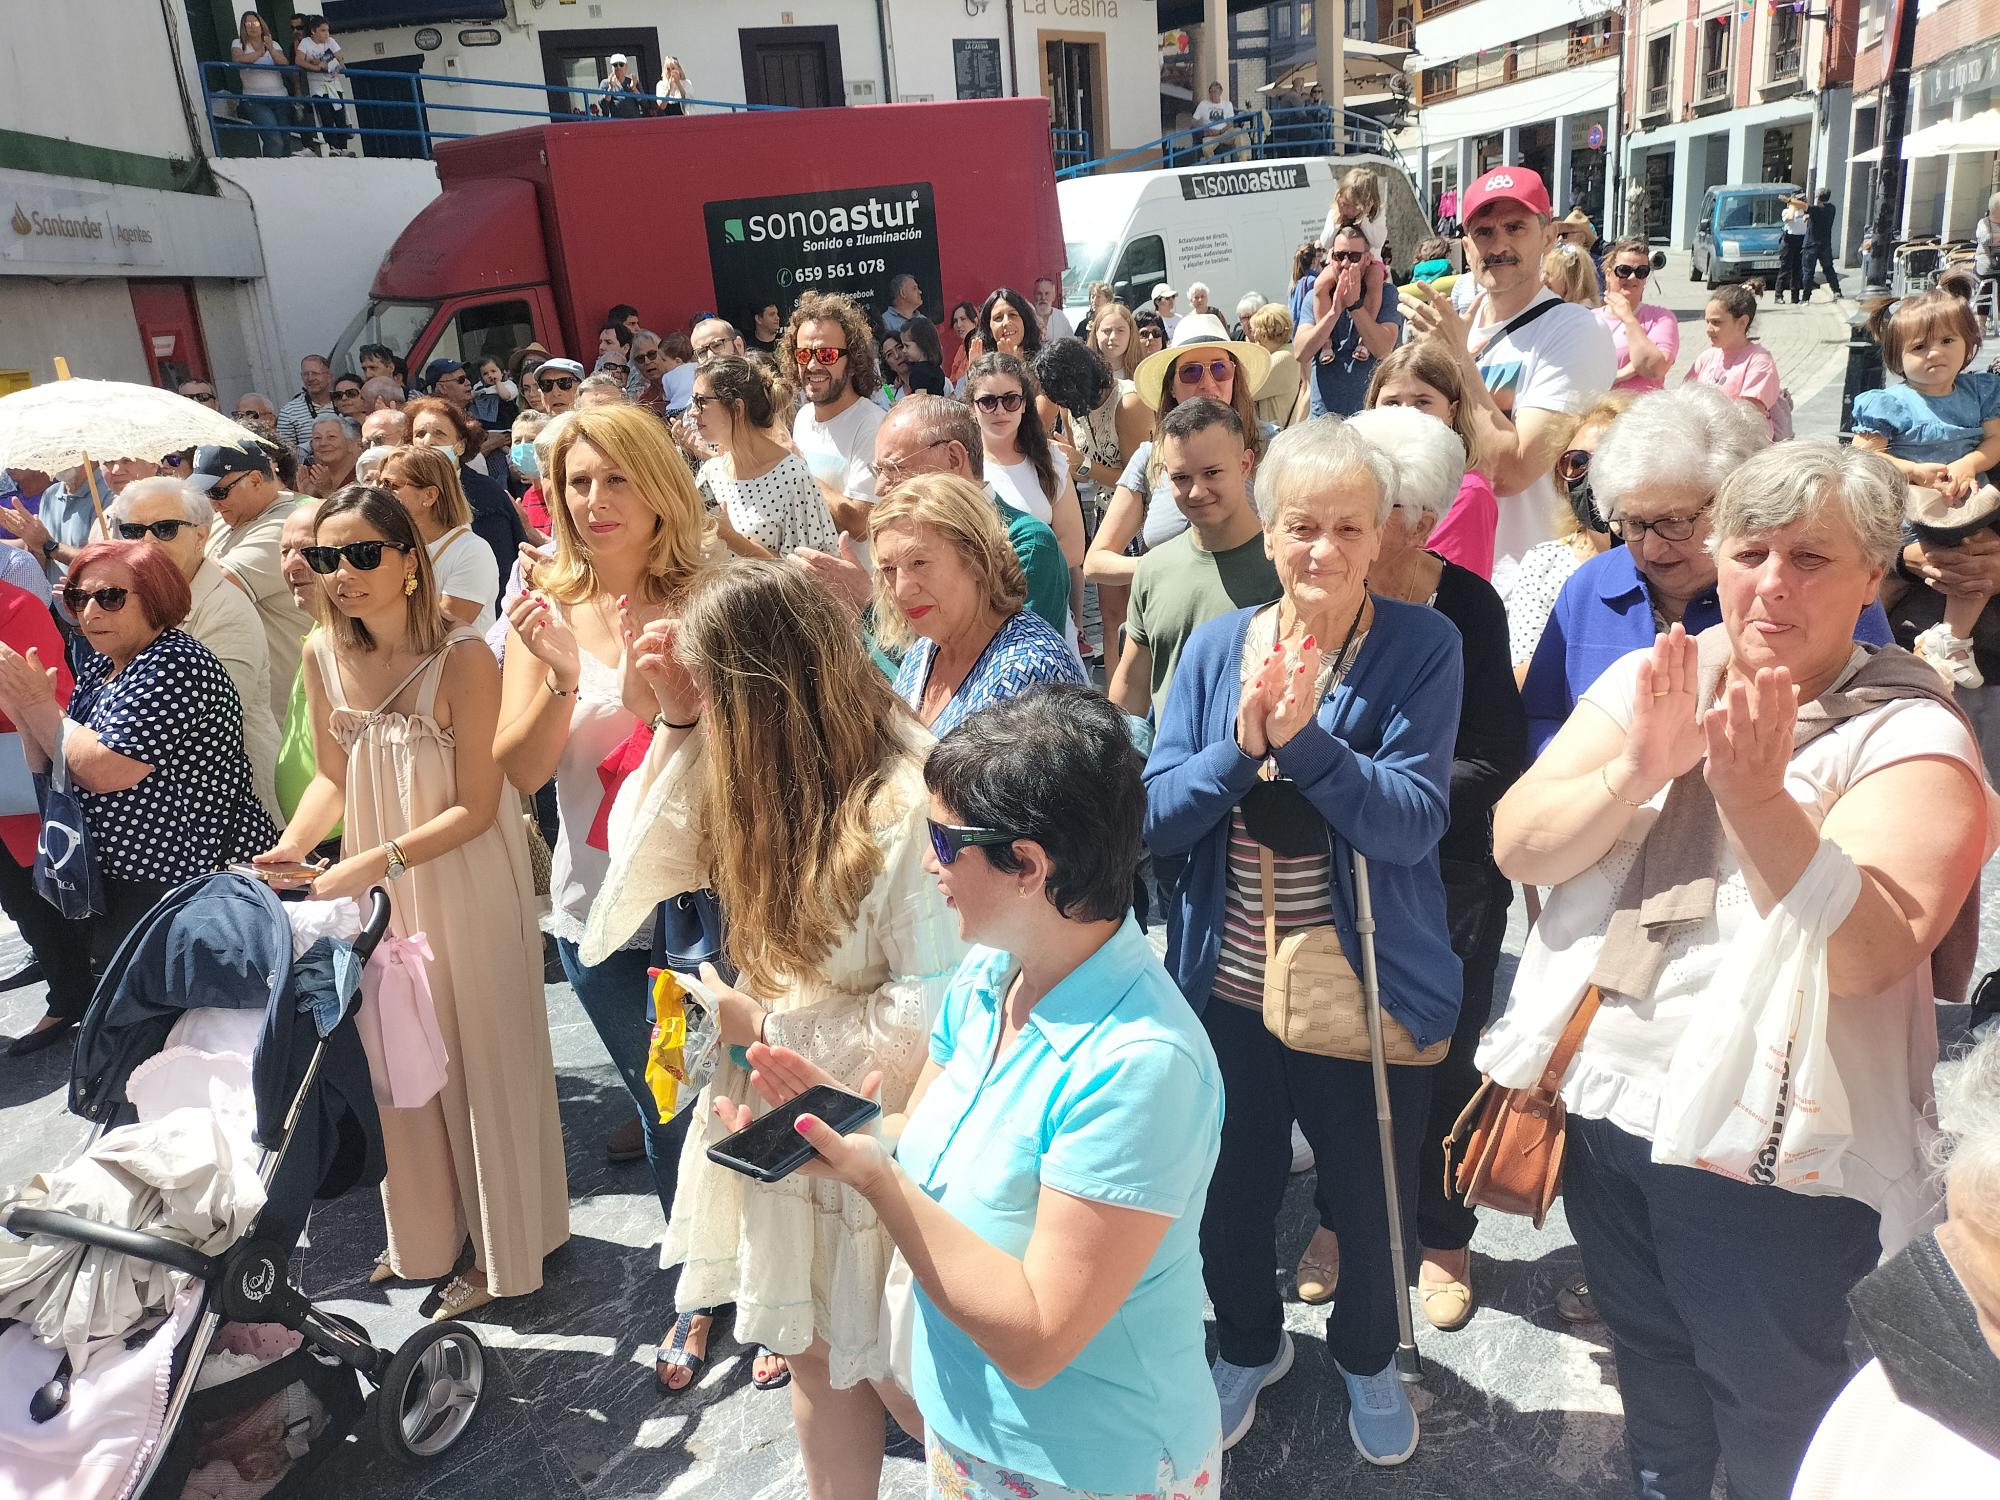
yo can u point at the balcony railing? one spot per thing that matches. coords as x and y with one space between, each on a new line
1552 52
1786 60
1657 95
1252 135
1428 8
1714 84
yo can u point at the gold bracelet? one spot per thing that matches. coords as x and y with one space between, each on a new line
1604 775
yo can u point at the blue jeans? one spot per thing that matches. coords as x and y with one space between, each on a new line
272 119
616 995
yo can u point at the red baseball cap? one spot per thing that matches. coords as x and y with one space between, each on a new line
1505 185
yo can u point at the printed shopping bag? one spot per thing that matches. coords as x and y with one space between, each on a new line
65 864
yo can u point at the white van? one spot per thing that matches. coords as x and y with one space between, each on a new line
1234 226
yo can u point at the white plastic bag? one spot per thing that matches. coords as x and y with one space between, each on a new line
1752 1091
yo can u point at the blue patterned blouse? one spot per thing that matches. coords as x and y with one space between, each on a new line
1025 650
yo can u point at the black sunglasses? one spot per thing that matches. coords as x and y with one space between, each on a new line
1631 273
1348 257
206 398
948 838
108 600
345 390
1219 369
221 491
366 556
558 383
1572 464
1006 401
166 531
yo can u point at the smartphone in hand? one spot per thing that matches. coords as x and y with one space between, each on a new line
772 1148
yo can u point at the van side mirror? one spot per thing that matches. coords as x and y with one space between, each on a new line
1659 260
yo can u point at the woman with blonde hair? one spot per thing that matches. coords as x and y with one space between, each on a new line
630 537
1114 333
426 481
785 776
1424 377
403 703
1572 277
949 587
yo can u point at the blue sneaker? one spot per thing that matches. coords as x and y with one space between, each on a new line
1380 1418
1236 1386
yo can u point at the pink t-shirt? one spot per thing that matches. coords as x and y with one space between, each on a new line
1749 374
1660 326
1465 535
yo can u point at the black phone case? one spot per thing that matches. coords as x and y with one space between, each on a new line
798 1152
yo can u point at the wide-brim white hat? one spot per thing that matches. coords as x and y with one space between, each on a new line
1199 331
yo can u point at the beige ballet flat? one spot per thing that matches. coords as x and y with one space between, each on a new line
383 1271
461 1297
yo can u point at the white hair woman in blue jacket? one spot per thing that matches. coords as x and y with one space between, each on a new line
1310 729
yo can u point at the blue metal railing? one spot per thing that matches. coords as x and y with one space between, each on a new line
1070 146
1256 135
400 95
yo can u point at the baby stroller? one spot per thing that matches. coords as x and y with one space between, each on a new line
243 1386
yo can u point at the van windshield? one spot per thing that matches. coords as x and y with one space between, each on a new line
1087 263
1751 211
397 324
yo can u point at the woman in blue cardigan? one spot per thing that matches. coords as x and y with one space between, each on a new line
1309 730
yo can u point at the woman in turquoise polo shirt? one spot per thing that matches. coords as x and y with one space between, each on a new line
1046 1183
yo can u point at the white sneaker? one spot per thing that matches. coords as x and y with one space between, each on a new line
1951 655
1302 1151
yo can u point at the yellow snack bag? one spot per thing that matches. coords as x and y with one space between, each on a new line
682 1054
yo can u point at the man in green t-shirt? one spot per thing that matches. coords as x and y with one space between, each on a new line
1217 565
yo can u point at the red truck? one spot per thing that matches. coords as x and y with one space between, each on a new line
537 233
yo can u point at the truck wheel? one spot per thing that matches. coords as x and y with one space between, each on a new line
430 1392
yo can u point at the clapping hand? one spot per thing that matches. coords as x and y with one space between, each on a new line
1665 740
1438 319
1748 737
547 635
24 681
1297 693
18 521
843 575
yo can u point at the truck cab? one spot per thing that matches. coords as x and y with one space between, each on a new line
1738 233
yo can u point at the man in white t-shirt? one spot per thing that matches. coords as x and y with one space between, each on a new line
1529 358
1048 310
1211 118
828 350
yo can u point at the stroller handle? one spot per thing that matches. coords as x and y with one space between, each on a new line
132 1242
376 925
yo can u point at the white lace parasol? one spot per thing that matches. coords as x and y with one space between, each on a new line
50 427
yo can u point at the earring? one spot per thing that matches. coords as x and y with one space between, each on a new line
409 584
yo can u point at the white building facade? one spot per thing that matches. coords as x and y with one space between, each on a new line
1531 82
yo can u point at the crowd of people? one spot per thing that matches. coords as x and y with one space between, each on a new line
769 654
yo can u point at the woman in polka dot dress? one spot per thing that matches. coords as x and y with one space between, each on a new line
765 499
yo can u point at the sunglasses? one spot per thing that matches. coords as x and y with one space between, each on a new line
221 491
947 839
206 398
366 556
108 600
165 531
1631 273
1348 257
1218 369
613 369
652 354
830 355
342 392
558 382
699 403
1011 401
1667 528
1572 464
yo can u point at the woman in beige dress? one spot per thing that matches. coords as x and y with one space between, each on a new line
785 775
403 705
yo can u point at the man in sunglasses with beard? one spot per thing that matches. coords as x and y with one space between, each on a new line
1529 359
250 511
828 353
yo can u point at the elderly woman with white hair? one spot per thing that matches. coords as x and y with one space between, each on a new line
1294 736
1487 757
1654 477
1923 1416
1763 786
177 518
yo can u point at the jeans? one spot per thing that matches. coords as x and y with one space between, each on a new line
1727 1306
332 112
616 995
1266 1085
272 119
1791 266
1819 258
60 946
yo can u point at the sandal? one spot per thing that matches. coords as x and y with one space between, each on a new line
677 1356
461 1297
1319 1268
768 1381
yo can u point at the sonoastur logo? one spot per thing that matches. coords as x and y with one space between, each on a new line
732 231
866 214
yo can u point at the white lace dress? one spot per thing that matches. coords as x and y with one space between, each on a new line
803 1258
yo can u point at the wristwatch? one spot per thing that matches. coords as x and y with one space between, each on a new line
49 549
397 865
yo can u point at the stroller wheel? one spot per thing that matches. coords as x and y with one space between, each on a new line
430 1392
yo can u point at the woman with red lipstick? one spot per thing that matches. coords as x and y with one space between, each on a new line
949 587
631 537
1702 785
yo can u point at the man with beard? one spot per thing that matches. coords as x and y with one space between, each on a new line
1529 358
828 352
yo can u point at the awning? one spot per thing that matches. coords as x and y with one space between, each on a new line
1975 133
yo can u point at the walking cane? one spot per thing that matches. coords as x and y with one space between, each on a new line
1408 1365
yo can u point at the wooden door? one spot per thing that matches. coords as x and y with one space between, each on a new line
797 66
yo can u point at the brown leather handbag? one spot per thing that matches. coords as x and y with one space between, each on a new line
1506 1150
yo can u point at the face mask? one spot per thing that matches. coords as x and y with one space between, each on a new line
522 456
451 448
1583 505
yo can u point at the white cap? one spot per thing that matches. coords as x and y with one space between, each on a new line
617 58
1162 290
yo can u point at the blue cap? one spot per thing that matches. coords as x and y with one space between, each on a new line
214 462
437 369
